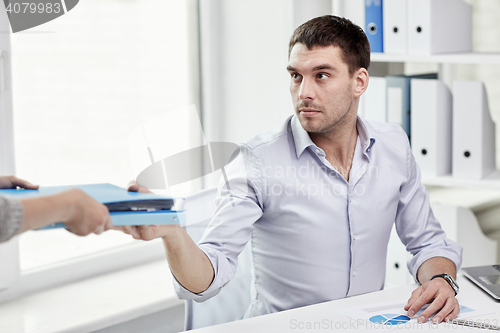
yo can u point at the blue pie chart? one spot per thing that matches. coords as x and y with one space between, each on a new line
390 319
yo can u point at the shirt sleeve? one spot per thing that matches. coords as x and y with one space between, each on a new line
417 226
11 217
239 205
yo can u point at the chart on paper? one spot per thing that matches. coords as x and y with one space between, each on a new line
393 313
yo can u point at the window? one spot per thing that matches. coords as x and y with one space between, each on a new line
81 84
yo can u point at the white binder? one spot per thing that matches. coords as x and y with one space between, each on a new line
373 101
439 26
431 121
354 10
473 131
395 26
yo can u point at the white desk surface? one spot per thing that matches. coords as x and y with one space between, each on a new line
93 304
282 321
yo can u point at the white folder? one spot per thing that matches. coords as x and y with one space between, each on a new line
373 101
439 26
431 126
473 131
354 10
395 26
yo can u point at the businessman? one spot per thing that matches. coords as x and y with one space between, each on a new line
317 197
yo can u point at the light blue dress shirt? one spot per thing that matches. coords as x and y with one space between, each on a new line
314 236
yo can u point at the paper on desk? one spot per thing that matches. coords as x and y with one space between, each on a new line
393 313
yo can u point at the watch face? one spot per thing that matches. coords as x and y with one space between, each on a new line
451 279
452 282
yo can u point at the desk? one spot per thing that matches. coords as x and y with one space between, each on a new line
288 321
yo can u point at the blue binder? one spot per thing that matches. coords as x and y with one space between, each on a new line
398 89
374 24
126 208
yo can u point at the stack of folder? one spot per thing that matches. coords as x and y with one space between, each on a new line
126 208
388 99
420 27
450 134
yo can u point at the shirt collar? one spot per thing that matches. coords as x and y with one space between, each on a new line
302 139
367 140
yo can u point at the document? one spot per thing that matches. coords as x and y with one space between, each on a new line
383 315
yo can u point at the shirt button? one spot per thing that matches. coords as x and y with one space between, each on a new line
318 151
353 273
353 236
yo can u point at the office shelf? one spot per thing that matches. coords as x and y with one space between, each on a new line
491 182
450 58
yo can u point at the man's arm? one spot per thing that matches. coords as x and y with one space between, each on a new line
201 270
432 252
188 263
437 291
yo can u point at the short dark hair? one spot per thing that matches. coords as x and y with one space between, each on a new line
331 30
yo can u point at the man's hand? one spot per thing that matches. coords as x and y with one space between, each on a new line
188 263
442 298
148 232
145 232
13 182
134 187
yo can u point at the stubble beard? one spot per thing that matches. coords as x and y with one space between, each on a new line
329 125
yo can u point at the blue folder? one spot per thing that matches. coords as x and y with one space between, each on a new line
374 24
404 83
126 208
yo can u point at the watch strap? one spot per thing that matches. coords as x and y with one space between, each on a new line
448 278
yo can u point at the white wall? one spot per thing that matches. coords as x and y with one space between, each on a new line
244 55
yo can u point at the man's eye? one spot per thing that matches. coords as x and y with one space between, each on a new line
295 76
322 76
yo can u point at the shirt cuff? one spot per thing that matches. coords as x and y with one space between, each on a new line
450 250
212 290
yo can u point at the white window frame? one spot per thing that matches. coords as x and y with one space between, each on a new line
15 283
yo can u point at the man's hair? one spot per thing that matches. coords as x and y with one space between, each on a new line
331 30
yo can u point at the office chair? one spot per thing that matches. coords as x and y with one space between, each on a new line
234 299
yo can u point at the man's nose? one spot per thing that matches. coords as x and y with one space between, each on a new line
306 90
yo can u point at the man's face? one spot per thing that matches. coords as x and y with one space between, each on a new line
322 89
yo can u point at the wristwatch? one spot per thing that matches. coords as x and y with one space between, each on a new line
451 281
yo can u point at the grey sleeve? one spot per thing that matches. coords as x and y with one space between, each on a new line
11 217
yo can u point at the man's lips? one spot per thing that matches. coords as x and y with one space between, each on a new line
305 112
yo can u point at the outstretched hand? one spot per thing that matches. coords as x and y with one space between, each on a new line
145 232
148 232
442 300
13 182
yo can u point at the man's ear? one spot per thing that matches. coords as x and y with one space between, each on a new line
361 79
